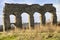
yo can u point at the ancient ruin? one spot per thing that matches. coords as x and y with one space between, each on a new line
18 9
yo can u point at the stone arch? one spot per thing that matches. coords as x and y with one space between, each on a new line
53 11
17 10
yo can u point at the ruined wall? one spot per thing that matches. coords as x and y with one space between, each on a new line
18 9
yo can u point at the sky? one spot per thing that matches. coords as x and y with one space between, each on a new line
56 3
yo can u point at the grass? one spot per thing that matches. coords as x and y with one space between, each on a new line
39 33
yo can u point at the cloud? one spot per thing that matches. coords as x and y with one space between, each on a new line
57 8
58 11
1 1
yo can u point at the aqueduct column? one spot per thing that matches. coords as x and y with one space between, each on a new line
43 19
32 21
18 20
6 21
54 19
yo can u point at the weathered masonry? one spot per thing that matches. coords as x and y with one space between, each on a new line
18 9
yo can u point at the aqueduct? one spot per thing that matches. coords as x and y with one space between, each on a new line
18 9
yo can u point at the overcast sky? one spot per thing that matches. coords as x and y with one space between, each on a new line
56 3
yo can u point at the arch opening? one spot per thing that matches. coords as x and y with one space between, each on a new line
49 17
37 18
25 20
12 21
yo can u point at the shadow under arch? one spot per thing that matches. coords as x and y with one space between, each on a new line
25 20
